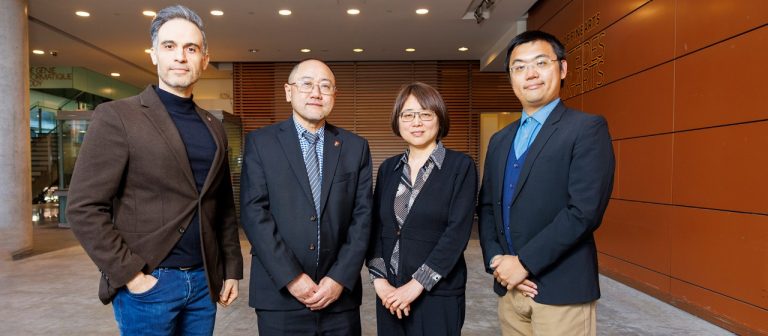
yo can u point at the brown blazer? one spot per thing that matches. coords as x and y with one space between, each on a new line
133 194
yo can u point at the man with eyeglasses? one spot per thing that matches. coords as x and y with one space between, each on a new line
546 185
306 209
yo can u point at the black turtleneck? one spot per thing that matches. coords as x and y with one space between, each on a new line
200 152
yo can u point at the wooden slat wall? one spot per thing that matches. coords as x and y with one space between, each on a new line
366 93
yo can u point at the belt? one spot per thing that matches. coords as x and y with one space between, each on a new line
190 268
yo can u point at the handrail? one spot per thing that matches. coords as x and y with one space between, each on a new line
43 136
70 100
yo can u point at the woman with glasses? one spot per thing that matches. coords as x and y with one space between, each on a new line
422 218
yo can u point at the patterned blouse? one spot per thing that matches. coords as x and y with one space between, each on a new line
406 195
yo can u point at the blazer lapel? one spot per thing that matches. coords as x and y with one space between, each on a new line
289 141
156 112
331 151
547 130
218 138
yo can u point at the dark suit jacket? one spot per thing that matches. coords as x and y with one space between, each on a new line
133 194
278 214
559 201
438 225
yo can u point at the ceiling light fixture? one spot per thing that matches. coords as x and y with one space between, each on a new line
353 11
410 49
422 11
82 13
253 51
284 12
115 74
463 49
217 12
148 51
38 52
358 50
305 50
149 13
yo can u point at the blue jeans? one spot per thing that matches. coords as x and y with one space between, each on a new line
178 304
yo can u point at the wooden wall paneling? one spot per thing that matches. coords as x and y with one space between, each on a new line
543 11
704 22
642 278
646 169
456 87
713 255
643 39
722 168
638 105
599 14
638 233
709 92
566 25
737 316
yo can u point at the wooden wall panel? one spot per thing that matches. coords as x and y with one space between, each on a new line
642 39
709 255
638 233
543 11
740 317
704 22
708 92
638 105
646 169
565 25
722 168
606 12
640 277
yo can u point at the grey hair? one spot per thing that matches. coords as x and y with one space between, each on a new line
176 12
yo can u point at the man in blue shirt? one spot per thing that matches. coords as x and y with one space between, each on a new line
547 181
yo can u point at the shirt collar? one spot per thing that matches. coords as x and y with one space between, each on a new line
437 157
300 129
542 114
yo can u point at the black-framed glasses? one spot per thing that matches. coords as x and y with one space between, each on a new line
424 115
326 88
541 63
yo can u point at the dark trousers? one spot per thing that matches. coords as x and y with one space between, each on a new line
430 315
309 323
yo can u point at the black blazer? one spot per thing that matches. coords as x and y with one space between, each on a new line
558 203
438 226
278 214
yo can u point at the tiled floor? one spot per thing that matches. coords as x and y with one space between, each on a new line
54 293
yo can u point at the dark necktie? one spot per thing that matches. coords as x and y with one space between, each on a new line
313 168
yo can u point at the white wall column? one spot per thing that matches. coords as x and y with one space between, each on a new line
15 161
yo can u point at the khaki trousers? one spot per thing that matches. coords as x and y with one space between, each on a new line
520 315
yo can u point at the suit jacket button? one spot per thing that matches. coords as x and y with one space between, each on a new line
397 232
312 246
313 218
181 229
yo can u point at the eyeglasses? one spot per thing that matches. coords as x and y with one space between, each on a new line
326 88
423 115
538 64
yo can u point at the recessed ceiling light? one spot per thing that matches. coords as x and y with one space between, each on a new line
253 51
410 50
149 13
353 11
82 13
463 49
115 74
38 52
358 50
148 51
217 12
422 11
305 50
284 12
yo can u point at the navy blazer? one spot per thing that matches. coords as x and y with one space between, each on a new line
438 225
279 217
559 201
